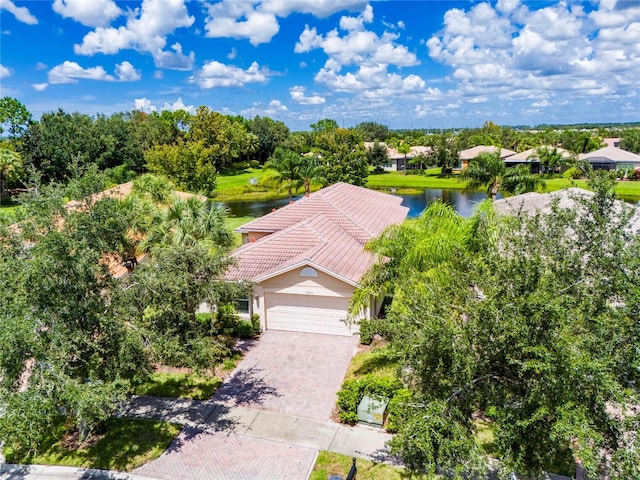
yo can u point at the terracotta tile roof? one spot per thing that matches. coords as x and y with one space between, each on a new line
317 241
328 229
361 212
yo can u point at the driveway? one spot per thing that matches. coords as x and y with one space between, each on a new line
291 373
251 427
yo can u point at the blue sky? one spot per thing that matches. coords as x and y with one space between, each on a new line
407 64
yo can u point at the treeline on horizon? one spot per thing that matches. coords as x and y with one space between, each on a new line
192 149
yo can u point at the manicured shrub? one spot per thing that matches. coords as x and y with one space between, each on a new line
245 329
255 322
367 331
396 410
352 392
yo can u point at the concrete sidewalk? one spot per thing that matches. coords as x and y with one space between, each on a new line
206 416
49 472
262 435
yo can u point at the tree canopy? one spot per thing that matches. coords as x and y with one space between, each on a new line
530 322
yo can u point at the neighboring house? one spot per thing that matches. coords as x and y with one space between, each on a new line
471 153
307 258
532 203
611 158
399 162
612 142
532 158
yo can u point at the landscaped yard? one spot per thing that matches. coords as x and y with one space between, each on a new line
125 445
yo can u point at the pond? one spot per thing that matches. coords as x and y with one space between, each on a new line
462 201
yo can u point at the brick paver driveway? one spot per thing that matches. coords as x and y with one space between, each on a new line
292 373
283 372
226 456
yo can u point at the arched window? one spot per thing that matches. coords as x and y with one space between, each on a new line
308 272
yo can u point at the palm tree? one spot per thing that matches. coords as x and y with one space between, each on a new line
404 148
286 164
310 172
191 237
551 158
426 249
252 143
191 222
489 170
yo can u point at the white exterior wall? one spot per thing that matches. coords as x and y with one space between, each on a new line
321 289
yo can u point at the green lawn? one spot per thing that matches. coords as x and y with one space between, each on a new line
430 179
179 385
235 222
377 361
126 444
329 463
8 211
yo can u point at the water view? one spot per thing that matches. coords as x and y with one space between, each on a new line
462 201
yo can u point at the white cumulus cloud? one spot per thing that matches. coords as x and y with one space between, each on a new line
258 21
215 74
179 105
146 30
515 51
126 72
144 105
233 19
4 71
298 96
72 72
93 13
22 14
40 87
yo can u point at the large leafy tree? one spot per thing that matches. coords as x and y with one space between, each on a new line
63 347
444 152
373 131
342 153
630 140
60 145
271 135
189 245
15 116
531 321
190 165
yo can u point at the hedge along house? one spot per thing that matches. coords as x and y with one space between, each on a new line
307 258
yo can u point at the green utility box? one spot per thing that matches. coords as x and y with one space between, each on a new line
372 411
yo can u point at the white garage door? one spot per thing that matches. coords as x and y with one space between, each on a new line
307 313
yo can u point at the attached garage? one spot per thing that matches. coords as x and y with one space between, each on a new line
308 313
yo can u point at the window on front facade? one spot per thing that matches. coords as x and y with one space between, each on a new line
242 305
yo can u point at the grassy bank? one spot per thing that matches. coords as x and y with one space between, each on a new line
329 463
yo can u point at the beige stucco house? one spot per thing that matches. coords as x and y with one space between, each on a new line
469 154
307 258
